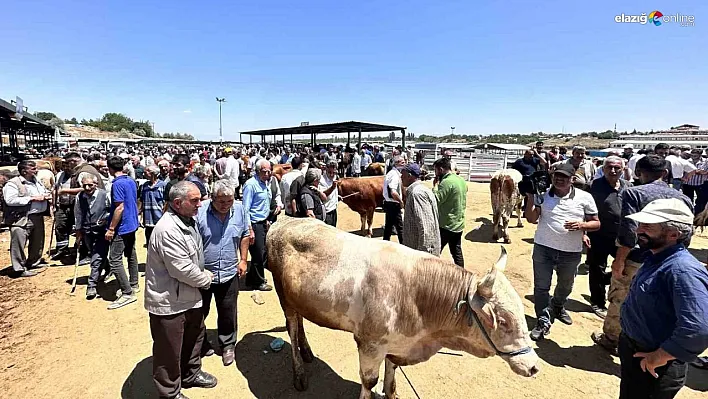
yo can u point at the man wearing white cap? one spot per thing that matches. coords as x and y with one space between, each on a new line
664 323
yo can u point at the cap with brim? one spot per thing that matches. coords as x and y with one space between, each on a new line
664 210
413 169
565 169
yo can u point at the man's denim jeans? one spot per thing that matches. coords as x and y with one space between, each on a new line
545 260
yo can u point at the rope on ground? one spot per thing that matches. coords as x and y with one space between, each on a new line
410 383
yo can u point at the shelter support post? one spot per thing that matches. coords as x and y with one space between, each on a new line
359 141
403 140
291 139
349 138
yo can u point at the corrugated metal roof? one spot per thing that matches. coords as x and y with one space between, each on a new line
502 146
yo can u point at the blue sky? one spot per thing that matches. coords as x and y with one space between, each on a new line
505 67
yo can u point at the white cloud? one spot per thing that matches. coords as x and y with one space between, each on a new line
187 111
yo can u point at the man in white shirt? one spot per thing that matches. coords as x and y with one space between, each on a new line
563 217
393 200
286 183
328 186
680 168
356 165
365 160
232 169
632 164
26 202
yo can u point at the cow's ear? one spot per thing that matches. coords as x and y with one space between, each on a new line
485 311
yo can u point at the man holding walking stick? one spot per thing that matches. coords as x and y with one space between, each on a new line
91 211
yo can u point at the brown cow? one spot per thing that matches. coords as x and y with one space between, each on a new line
363 195
506 198
402 305
375 169
280 169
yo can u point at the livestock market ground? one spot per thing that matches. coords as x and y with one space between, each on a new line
53 345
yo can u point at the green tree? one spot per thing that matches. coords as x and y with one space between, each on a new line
45 116
56 122
71 121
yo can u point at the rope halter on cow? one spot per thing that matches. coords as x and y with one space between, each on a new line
473 317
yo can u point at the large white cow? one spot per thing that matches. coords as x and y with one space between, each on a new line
401 305
506 198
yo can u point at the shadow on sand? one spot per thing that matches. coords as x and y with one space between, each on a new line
481 233
269 375
570 305
139 384
377 232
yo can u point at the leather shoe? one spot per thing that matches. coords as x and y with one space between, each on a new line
264 287
27 273
201 380
228 356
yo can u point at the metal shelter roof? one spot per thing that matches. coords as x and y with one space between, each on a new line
8 109
502 146
339 127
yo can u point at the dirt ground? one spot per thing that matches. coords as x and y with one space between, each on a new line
59 346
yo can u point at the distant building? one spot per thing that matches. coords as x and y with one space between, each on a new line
686 134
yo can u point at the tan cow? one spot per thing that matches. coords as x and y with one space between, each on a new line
375 169
506 198
402 305
362 195
280 169
46 170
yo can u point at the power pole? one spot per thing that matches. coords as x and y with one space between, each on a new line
221 132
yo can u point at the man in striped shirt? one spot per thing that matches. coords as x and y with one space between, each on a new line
693 186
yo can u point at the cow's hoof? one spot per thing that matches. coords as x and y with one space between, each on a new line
306 354
300 382
507 241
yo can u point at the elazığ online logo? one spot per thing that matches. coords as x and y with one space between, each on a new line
657 18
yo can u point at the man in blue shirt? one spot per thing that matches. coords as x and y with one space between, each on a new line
123 222
651 171
256 205
664 323
223 228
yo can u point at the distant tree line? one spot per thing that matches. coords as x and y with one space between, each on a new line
113 122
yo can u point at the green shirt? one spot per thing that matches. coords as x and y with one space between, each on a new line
451 194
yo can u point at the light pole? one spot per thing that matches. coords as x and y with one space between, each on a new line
221 133
452 130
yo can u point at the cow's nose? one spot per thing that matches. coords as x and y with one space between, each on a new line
534 370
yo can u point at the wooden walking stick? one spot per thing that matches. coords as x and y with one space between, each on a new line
76 267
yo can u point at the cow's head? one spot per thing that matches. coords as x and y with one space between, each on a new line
501 312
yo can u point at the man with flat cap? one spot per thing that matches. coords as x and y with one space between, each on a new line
664 323
421 229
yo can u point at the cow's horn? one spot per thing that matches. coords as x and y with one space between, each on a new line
501 262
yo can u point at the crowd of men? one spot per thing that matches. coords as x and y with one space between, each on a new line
638 209
204 210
